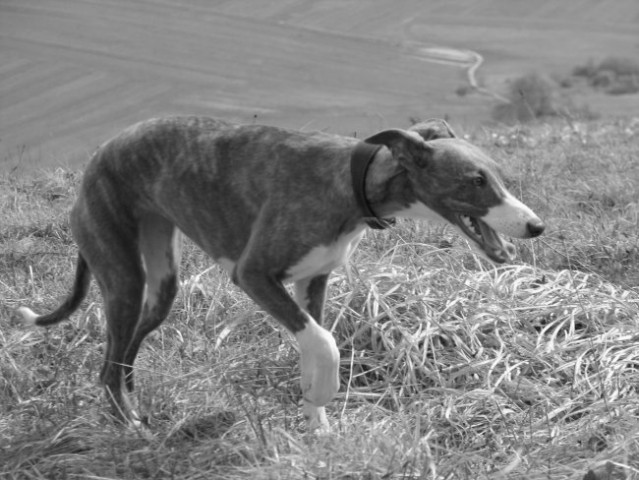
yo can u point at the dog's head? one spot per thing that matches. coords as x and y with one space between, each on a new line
461 184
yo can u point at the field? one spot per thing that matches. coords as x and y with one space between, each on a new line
450 368
74 72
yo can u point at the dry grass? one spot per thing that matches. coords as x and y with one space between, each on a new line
450 368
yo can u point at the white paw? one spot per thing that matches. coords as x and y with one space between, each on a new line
315 417
136 425
320 363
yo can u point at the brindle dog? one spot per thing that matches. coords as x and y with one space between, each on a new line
271 206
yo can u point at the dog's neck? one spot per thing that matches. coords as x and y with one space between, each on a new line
387 189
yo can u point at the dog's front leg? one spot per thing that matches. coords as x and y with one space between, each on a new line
318 350
310 294
320 378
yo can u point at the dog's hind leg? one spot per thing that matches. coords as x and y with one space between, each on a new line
122 290
122 306
160 246
310 294
108 241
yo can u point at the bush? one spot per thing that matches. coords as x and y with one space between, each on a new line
614 75
625 85
463 91
587 70
620 66
603 78
531 96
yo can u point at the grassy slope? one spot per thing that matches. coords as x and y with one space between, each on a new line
449 368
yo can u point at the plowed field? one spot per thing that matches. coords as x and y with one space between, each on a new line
74 72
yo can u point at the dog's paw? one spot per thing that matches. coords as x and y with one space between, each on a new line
139 427
316 420
27 316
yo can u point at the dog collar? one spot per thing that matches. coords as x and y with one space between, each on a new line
361 158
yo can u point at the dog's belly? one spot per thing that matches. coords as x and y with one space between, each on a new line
324 258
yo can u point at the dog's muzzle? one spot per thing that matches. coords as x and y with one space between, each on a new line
522 223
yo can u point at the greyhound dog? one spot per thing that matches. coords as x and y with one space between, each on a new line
271 206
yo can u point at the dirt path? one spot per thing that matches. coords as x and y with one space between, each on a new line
467 59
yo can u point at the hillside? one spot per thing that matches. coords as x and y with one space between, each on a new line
74 72
450 368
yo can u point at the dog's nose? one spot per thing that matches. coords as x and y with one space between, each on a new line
535 227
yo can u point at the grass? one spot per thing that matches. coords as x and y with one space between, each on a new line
450 368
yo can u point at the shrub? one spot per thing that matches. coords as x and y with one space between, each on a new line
620 66
625 85
462 91
587 70
603 78
531 96
615 75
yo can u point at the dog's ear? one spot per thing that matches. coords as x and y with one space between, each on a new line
432 129
407 147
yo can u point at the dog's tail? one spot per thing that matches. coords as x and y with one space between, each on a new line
80 289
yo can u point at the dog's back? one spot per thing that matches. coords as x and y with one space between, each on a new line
213 179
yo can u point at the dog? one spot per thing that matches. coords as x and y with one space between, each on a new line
271 206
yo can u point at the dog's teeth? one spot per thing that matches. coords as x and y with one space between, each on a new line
470 224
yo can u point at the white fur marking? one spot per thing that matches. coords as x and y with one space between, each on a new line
324 258
301 293
151 288
29 317
511 217
319 365
315 417
419 211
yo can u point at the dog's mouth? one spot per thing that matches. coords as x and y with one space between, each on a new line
486 238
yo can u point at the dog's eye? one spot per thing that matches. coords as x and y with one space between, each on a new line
479 181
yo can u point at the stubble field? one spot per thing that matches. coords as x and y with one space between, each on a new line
450 368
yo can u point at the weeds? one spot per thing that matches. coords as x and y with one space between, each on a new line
449 368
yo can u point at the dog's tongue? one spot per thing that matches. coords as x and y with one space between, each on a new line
495 247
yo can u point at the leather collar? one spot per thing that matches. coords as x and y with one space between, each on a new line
361 158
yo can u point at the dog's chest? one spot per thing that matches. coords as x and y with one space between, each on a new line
324 258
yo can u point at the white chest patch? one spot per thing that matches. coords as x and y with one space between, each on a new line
324 258
419 211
